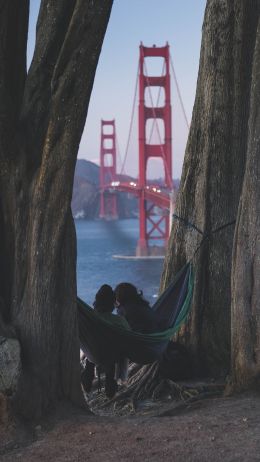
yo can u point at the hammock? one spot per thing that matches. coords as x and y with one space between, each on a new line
105 343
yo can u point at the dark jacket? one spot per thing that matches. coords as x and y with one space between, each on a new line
140 317
115 320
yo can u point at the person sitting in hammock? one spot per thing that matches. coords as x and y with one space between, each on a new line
135 309
104 306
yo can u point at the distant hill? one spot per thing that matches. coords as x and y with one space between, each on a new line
85 199
87 170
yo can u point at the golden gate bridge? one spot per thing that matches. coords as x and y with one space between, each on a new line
156 201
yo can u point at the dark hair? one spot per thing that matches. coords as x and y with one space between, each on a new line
128 293
105 299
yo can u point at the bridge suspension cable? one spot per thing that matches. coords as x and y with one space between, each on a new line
179 93
155 123
131 123
118 152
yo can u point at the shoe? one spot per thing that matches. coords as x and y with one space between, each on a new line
87 376
110 387
122 383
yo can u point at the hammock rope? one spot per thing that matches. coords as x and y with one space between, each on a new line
205 236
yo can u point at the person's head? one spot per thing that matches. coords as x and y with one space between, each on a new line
127 293
105 299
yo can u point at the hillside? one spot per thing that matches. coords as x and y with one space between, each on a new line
85 199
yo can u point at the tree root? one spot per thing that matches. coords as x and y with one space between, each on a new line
146 382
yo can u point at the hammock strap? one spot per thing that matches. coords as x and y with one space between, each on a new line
193 226
187 223
206 236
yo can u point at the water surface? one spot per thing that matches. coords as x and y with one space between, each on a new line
97 242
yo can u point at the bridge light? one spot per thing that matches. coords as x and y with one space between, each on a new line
154 189
158 190
115 183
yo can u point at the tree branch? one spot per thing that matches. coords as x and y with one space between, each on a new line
59 121
61 75
71 87
54 18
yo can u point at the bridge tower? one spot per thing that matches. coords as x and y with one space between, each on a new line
153 226
108 199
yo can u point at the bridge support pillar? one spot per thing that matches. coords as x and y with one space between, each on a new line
108 199
154 222
142 249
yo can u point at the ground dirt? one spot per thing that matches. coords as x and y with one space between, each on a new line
211 429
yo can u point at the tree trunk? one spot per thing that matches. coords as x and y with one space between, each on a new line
212 177
245 311
41 121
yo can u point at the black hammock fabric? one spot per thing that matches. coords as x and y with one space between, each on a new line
104 342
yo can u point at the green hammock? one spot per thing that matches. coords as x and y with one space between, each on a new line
104 342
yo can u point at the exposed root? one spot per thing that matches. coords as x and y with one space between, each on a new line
157 390
138 373
133 369
147 383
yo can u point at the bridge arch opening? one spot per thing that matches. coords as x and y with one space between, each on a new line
155 169
154 131
154 96
108 129
154 66
108 143
108 160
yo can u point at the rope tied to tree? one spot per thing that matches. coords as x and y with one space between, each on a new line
205 236
187 223
193 226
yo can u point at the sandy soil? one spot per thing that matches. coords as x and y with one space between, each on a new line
216 429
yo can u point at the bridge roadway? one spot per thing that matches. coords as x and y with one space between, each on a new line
151 193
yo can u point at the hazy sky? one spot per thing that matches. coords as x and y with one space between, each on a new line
153 22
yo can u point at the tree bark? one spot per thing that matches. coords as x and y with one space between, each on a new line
40 130
212 177
245 312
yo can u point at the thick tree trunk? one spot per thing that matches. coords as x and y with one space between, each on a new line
40 131
245 311
212 176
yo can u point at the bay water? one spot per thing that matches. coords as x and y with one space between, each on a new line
98 242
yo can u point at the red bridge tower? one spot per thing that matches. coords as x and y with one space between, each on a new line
108 200
153 226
